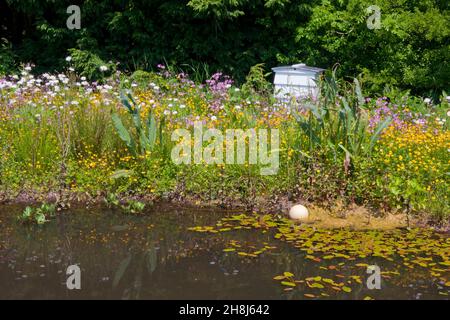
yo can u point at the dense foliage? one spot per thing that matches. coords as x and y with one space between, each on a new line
411 50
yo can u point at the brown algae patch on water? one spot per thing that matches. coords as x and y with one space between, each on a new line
357 218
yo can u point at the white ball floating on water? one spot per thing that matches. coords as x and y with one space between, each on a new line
298 212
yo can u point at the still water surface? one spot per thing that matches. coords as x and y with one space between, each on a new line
156 257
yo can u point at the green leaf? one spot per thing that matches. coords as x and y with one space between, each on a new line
40 217
151 124
318 278
125 102
122 131
288 283
27 212
378 131
359 92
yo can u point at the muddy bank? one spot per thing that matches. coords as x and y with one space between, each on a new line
324 215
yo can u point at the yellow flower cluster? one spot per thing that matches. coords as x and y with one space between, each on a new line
415 152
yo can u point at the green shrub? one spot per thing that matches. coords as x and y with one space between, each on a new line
7 58
89 64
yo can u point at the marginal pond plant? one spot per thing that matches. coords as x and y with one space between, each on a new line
133 207
129 206
39 215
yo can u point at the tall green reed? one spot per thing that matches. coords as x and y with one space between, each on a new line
338 121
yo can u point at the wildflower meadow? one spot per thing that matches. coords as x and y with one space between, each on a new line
63 136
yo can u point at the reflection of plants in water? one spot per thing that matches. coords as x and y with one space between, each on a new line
145 262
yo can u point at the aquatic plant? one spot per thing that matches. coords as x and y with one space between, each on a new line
133 207
39 215
344 251
129 207
112 200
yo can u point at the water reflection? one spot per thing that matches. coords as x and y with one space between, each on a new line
155 257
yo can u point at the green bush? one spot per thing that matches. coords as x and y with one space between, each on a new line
7 58
89 64
411 50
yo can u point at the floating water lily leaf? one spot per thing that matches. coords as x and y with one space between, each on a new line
412 248
361 265
288 283
357 279
316 285
329 281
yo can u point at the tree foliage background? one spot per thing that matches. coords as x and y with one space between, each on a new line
410 51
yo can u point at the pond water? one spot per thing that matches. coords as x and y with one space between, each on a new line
155 256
